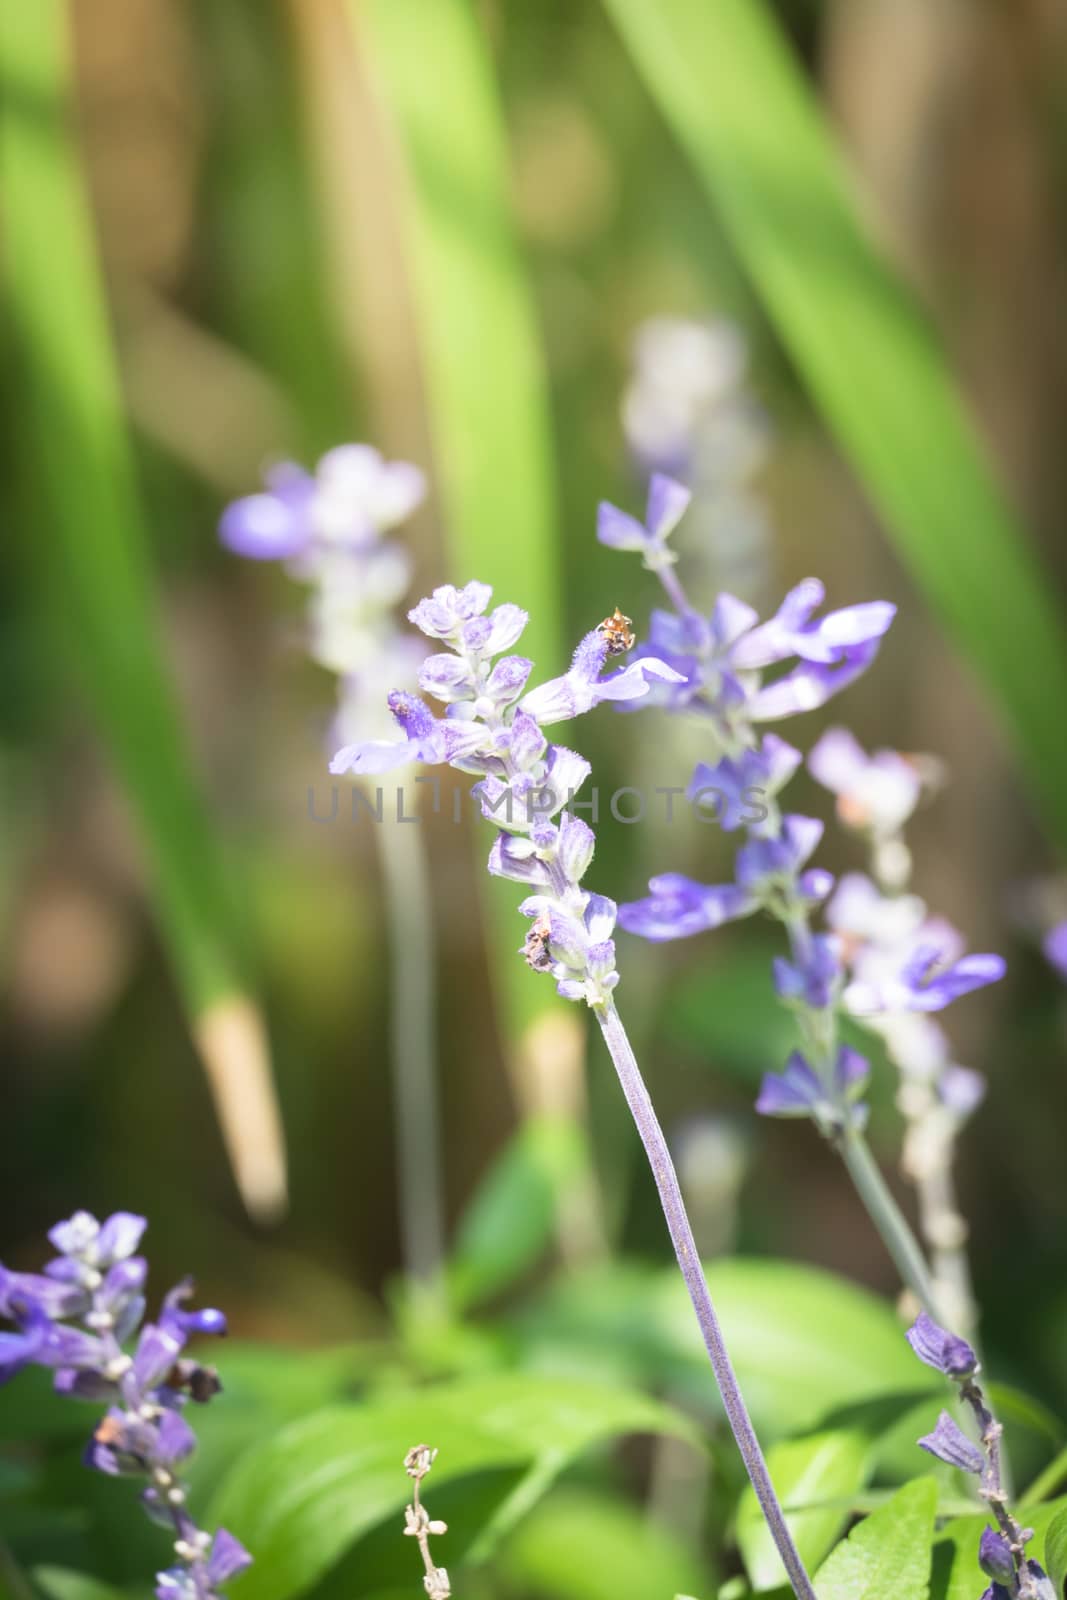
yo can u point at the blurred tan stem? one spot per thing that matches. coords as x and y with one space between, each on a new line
233 1046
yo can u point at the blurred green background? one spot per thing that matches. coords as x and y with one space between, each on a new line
438 227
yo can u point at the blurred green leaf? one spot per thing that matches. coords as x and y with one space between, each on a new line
804 1342
481 347
821 1467
89 531
59 1584
888 1553
1012 1405
1056 1553
726 83
579 1545
511 1218
303 1499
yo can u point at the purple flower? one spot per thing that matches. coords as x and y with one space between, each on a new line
75 1320
798 1091
582 687
668 502
434 740
793 632
995 1557
352 498
444 613
946 1352
950 1444
743 784
925 983
226 1559
812 980
1055 948
876 793
677 907
767 864
811 685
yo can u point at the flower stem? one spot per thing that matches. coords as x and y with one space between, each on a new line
647 1123
888 1218
408 911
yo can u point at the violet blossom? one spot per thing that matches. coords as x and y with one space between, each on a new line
328 527
76 1319
493 728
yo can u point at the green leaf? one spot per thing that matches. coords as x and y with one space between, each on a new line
303 1499
86 503
727 84
481 347
1056 1552
60 1584
804 1342
821 1467
512 1216
579 1545
888 1553
90 544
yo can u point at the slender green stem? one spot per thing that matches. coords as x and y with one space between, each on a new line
888 1218
685 1249
1046 1482
409 920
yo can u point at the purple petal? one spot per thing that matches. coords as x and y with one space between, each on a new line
228 1558
810 685
119 1237
678 907
793 1092
837 760
375 755
618 530
176 1439
506 625
856 625
946 1352
995 1557
950 1444
668 502
264 527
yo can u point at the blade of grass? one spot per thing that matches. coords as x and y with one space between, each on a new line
725 82
485 378
92 542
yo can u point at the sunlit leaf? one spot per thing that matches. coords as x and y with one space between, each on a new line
512 1215
579 1545
303 1499
804 1342
823 1466
888 1554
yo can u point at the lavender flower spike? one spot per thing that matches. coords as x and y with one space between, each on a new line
96 1282
525 784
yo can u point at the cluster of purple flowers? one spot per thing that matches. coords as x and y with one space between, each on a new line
1001 1551
327 527
75 1319
493 727
721 661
